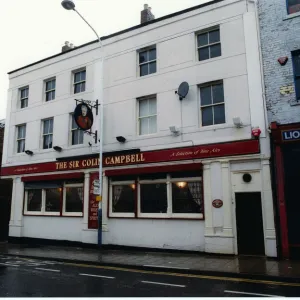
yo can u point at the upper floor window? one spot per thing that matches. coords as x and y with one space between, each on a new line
48 134
209 44
21 137
147 61
147 116
296 64
77 134
50 89
79 81
24 96
212 104
293 6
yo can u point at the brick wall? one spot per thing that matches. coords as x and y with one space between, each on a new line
279 36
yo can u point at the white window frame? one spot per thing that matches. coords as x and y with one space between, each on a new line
78 82
51 90
169 214
148 62
73 214
148 116
24 98
45 134
209 44
211 84
111 213
20 139
43 211
72 130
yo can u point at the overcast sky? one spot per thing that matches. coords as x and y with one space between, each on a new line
34 29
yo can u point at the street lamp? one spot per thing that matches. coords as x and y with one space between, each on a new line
70 5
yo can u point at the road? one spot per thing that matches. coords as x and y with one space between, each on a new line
21 277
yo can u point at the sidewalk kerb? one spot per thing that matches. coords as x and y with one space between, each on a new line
166 269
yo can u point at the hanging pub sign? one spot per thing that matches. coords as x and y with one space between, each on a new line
83 116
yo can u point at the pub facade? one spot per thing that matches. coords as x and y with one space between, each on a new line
186 173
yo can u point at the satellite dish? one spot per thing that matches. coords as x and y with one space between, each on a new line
183 90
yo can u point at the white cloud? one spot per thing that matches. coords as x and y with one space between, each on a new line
34 29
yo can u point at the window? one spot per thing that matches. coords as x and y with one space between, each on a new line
77 134
212 104
73 199
47 134
122 198
79 81
24 96
147 61
147 116
208 44
50 89
21 136
296 65
293 6
158 196
54 198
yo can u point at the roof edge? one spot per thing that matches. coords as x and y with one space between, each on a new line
122 32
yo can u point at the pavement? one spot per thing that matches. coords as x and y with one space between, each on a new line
25 277
184 263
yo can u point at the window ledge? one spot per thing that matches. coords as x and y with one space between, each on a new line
294 102
291 16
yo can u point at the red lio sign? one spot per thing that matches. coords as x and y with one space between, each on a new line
93 204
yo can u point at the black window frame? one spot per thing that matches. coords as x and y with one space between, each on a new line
296 74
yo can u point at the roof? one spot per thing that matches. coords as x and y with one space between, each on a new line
122 32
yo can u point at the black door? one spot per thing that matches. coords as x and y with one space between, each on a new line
4 218
249 223
291 156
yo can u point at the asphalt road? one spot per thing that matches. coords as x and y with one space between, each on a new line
35 278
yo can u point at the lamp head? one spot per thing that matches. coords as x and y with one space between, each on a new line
68 4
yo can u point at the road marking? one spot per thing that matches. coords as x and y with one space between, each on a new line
266 282
100 276
166 267
162 283
255 294
9 265
50 270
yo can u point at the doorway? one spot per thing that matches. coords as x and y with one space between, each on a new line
249 223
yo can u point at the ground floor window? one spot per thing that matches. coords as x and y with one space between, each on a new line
177 195
54 198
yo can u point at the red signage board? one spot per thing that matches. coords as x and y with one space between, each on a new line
187 153
93 204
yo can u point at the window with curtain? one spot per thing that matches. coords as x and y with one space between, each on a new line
160 195
293 6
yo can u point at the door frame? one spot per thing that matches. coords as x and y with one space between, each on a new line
238 189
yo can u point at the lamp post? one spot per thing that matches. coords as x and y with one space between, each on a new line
70 5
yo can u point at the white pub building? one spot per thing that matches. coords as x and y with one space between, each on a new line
180 173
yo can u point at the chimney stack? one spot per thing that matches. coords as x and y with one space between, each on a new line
67 46
146 14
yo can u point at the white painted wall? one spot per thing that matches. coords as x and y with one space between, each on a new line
163 234
177 61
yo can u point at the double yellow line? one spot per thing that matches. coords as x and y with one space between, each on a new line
266 282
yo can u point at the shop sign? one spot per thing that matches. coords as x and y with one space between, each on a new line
93 204
217 203
291 135
96 187
177 154
83 116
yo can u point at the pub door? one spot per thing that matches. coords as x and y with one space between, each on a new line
4 217
249 223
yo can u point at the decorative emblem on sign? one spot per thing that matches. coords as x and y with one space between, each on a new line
83 116
217 203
